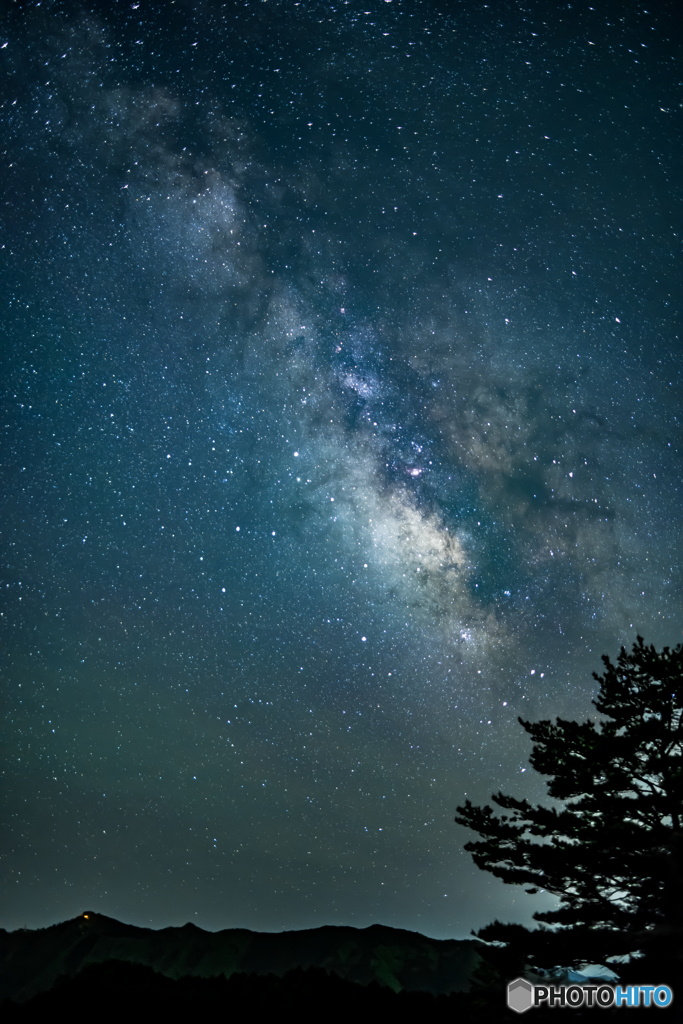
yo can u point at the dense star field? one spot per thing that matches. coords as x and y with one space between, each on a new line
341 397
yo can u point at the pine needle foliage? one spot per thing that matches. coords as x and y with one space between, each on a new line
613 852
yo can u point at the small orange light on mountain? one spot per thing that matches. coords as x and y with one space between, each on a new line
86 917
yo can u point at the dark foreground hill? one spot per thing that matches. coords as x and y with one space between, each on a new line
115 991
398 960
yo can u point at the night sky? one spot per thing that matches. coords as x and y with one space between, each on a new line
341 406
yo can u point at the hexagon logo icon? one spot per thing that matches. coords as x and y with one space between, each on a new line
520 995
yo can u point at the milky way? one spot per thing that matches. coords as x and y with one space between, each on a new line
341 397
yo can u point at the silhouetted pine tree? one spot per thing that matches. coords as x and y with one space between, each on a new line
613 852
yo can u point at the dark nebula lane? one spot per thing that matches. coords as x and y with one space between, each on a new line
341 395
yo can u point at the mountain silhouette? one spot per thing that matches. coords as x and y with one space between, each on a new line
402 961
